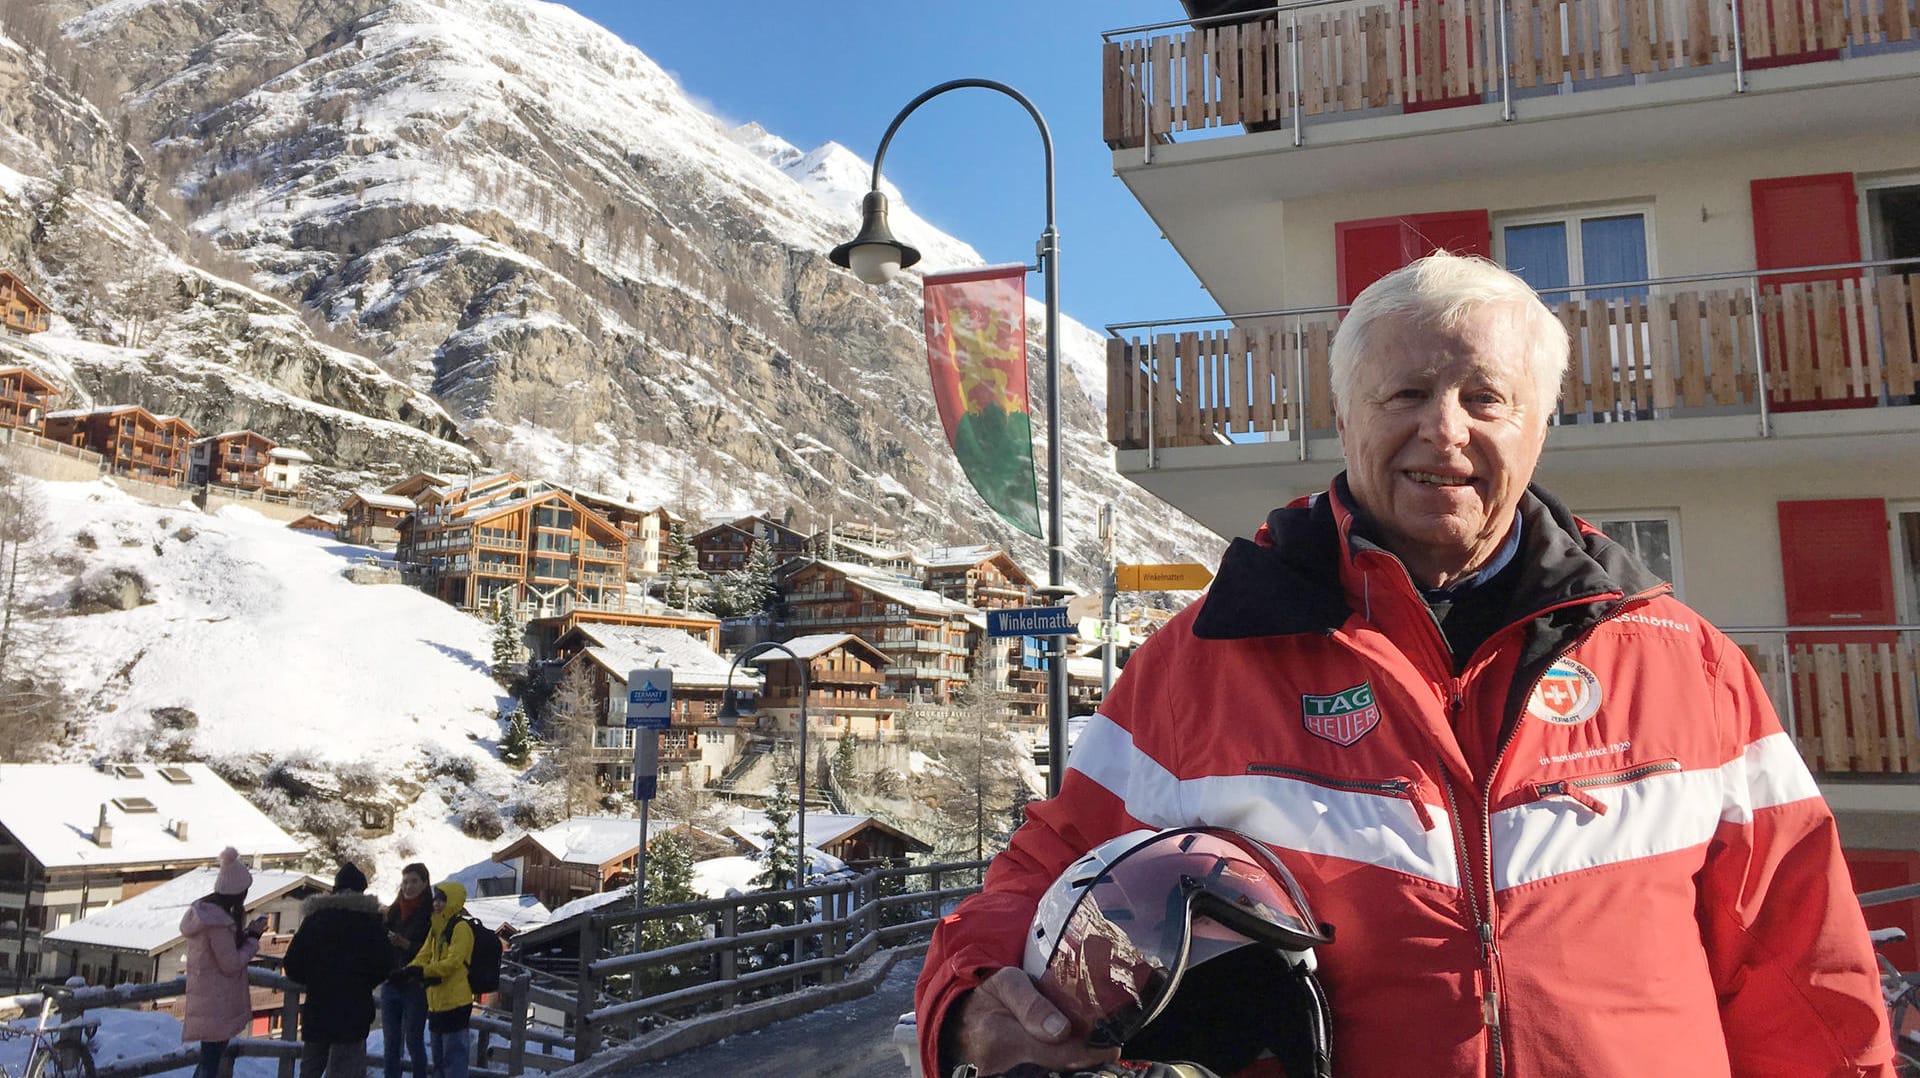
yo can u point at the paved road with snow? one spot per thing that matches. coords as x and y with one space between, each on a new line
851 1040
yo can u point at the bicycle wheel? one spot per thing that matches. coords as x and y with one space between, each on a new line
62 1059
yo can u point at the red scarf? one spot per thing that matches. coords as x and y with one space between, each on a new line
406 906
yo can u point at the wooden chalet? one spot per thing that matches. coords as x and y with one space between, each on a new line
134 441
76 838
23 398
373 518
728 546
412 486
696 748
846 686
235 458
286 468
545 634
579 856
519 539
983 577
924 635
324 523
861 841
21 311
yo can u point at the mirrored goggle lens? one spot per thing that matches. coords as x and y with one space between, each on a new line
1126 942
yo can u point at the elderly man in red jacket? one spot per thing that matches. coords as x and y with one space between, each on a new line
1548 807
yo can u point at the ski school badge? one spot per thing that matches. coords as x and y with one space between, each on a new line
1568 694
1342 718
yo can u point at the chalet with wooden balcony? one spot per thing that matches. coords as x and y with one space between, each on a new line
545 635
923 634
412 486
235 458
983 577
23 398
697 748
373 518
76 838
846 686
861 842
1721 203
21 312
515 539
287 468
579 856
134 441
728 546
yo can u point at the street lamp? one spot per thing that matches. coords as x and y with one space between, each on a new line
730 714
875 256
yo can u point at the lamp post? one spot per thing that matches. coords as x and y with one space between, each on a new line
730 714
875 256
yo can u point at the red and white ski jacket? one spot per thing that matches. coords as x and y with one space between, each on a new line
1627 872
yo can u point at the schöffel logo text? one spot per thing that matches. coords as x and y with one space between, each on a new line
1342 718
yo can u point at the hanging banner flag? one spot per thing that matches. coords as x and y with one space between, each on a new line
977 353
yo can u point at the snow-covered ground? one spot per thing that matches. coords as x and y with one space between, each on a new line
253 628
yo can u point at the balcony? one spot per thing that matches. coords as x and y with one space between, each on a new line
1847 696
1215 414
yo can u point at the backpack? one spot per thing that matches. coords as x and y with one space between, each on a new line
483 968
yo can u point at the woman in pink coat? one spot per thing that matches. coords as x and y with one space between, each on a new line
219 1006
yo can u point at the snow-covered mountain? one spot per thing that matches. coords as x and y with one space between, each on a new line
511 210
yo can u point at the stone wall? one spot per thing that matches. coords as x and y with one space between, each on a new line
62 464
211 501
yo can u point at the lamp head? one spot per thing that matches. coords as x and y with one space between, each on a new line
729 713
874 255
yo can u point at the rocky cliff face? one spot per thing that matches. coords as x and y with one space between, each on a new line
514 212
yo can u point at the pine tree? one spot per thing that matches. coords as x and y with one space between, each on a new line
843 758
682 572
669 883
506 639
777 863
516 748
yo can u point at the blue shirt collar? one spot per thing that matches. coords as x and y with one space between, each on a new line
1501 559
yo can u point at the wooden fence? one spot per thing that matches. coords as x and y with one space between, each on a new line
1850 707
1345 57
1689 348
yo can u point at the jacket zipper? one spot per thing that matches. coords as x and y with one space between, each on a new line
1576 789
1407 790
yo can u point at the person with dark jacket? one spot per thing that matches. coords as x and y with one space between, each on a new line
340 954
403 1006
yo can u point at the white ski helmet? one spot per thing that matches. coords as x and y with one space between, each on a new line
1151 939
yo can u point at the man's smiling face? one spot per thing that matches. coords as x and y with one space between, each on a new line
1442 435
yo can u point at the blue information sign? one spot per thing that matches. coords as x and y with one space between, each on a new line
1030 621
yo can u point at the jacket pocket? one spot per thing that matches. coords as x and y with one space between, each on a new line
1406 789
1578 788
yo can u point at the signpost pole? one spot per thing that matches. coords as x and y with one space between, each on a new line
649 711
1107 595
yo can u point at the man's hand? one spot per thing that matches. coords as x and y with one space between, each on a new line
1005 1021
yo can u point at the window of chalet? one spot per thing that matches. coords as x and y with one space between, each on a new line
1893 220
1564 249
1653 535
553 516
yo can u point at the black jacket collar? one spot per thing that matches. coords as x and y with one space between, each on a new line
1291 582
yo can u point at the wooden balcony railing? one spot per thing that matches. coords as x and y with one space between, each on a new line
1693 346
1850 697
1326 58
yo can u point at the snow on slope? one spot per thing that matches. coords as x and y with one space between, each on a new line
253 628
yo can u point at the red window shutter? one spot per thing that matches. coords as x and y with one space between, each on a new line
1367 250
1835 563
1805 221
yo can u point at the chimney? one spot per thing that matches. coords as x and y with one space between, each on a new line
103 831
180 830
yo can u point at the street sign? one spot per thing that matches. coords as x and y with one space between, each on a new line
1082 607
646 766
1095 629
649 699
1029 621
1186 576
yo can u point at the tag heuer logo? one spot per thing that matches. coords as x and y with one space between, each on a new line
1343 718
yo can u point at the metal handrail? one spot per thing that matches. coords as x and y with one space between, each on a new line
1114 328
1212 20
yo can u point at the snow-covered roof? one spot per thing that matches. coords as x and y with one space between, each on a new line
587 903
587 840
954 557
806 647
384 501
287 452
621 648
149 922
105 409
902 590
750 825
869 550
52 810
520 911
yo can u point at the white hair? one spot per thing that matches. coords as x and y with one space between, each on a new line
1441 291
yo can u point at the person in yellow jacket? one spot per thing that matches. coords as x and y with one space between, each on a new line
442 964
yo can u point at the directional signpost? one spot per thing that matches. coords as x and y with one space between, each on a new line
649 711
1186 576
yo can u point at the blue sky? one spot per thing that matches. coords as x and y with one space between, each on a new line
969 161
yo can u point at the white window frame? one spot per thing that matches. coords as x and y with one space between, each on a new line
1671 517
1904 605
1862 185
1571 217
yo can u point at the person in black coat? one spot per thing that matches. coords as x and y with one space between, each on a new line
341 954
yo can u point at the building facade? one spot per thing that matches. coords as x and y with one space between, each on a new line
23 398
924 635
21 311
517 540
134 441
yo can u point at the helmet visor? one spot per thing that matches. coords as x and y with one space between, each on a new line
1181 895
